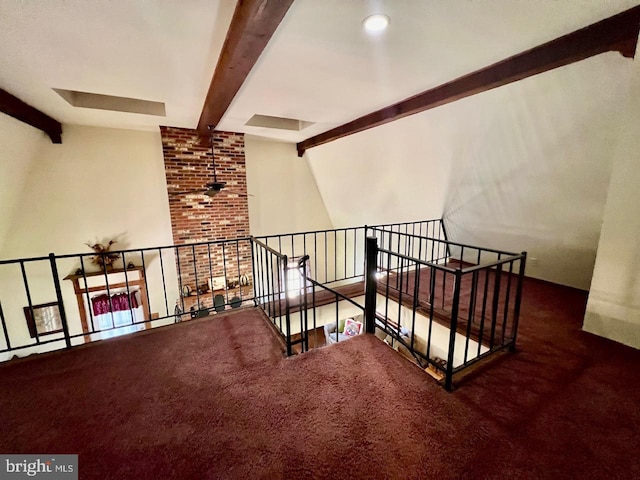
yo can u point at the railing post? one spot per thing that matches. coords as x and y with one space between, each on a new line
304 319
446 237
253 271
454 330
63 314
287 307
371 284
516 308
495 304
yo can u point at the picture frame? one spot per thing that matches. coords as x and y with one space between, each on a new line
217 283
46 319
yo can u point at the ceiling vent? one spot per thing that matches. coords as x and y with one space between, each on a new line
278 122
109 102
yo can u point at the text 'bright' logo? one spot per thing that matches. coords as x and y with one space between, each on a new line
61 467
30 468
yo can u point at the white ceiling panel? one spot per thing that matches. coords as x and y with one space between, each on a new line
319 67
157 50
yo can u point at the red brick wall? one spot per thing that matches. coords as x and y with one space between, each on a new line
198 218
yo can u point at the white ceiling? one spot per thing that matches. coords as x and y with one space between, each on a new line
158 50
319 67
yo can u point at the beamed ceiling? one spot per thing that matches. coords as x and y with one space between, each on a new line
318 67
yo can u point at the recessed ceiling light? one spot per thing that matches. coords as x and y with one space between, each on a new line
376 23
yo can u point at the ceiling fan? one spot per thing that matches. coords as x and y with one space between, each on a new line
211 189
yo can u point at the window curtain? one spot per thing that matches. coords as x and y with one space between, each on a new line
119 302
115 316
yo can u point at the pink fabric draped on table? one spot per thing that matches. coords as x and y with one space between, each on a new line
119 302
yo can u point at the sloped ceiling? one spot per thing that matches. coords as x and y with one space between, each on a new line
319 66
522 167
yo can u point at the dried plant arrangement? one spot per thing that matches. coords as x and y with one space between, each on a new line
103 258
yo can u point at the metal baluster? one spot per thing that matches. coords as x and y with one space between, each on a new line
416 294
146 285
287 304
164 282
61 309
181 296
239 269
496 299
453 331
432 292
86 289
484 308
224 270
516 310
4 328
28 292
126 282
506 301
472 307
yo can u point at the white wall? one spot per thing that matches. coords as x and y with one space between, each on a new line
522 167
393 173
100 183
613 309
286 198
532 164
19 145
97 185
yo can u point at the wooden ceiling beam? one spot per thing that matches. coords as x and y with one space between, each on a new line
252 26
618 33
19 110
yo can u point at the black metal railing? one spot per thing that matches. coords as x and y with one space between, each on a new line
447 313
16 273
336 255
270 269
59 301
338 306
308 282
426 239
445 304
296 303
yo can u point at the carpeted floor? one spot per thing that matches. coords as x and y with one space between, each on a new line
216 399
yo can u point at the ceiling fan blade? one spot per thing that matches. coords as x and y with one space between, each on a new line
242 194
211 193
187 192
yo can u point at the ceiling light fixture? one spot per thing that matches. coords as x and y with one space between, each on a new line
376 23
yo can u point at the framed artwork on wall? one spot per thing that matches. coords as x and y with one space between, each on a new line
45 319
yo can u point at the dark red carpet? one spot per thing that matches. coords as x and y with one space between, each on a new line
215 399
